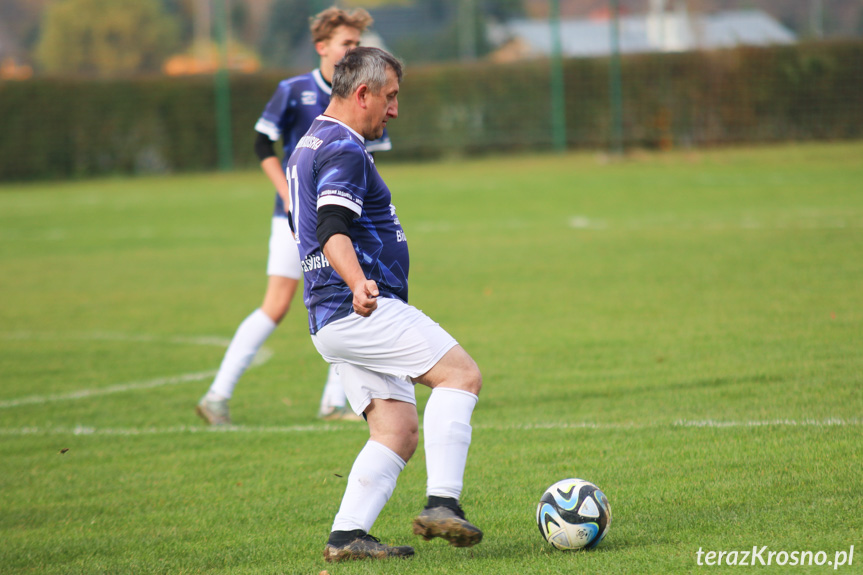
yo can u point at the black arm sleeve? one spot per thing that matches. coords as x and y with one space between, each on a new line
333 220
264 146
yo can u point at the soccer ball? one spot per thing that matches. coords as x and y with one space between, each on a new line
573 514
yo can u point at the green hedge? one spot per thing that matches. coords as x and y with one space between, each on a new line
60 128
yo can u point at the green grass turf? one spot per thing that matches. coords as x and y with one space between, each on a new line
682 329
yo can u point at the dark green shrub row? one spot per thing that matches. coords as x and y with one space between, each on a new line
59 128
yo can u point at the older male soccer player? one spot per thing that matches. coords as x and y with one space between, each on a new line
355 261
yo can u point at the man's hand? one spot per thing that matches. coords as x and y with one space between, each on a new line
365 297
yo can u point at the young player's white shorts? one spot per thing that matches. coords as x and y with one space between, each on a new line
377 356
284 257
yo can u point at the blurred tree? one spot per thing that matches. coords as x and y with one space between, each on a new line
183 11
453 29
503 10
105 36
437 9
239 20
287 26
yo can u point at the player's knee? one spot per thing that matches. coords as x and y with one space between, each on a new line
469 375
473 380
410 439
277 301
403 442
468 378
411 442
275 310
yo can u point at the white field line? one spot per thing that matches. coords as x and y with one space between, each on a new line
329 427
113 336
119 388
835 421
814 221
264 355
830 422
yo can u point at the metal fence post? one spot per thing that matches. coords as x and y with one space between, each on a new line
223 89
558 104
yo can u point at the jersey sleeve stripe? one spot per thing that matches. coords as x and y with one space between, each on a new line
379 146
269 129
337 201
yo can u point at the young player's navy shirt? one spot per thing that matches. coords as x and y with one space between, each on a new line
292 109
332 167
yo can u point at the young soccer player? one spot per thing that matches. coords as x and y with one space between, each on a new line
295 104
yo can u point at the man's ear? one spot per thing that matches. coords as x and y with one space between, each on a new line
320 48
361 95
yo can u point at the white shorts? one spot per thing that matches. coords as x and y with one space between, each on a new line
377 356
284 257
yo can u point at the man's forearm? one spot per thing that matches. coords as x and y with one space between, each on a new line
339 251
273 169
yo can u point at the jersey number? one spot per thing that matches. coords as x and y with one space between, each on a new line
293 193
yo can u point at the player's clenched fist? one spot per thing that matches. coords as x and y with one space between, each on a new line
366 298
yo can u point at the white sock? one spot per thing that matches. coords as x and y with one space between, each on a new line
370 485
250 336
213 396
334 391
447 431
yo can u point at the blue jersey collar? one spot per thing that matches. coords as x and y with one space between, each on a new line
331 119
322 84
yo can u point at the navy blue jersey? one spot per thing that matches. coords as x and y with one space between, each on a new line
292 109
331 166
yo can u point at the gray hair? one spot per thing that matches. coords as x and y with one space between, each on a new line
364 65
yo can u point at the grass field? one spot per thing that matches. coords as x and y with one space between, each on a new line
685 330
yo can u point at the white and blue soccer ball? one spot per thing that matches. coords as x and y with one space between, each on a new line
573 514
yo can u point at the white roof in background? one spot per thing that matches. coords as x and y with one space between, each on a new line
672 31
747 27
